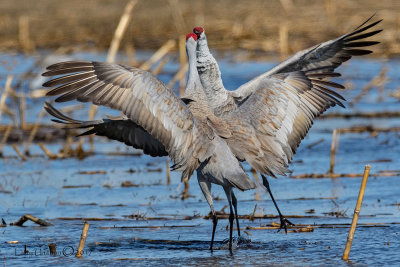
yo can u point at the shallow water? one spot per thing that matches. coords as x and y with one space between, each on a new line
149 223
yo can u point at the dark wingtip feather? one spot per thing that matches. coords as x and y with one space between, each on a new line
341 105
365 22
66 97
56 113
358 52
52 92
361 44
362 36
59 121
48 83
46 74
365 28
62 99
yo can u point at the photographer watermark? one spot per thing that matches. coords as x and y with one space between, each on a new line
50 250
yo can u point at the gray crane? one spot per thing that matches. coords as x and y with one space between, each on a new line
276 104
156 121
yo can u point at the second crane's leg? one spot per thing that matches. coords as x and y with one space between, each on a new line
229 192
234 202
206 188
284 221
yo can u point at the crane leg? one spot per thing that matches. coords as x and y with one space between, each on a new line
229 192
284 221
215 222
234 202
205 187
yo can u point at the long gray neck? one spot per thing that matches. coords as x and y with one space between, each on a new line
194 89
210 75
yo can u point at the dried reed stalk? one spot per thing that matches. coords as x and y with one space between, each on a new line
4 139
283 40
23 34
319 141
15 147
181 73
130 54
7 111
168 173
38 93
5 93
160 66
53 249
47 152
92 113
387 173
287 5
334 147
356 214
33 132
119 32
177 15
83 240
330 8
185 192
251 217
378 81
112 52
182 61
160 53
148 227
381 114
22 107
32 218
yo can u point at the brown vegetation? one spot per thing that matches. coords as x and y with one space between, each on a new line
253 25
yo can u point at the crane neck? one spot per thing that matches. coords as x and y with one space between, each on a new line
210 76
194 89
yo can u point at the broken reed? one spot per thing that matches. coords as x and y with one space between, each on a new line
33 132
5 93
168 173
159 54
53 249
183 62
356 214
120 31
334 147
82 240
32 218
112 52
4 139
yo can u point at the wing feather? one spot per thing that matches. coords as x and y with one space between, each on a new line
322 58
143 98
280 113
123 130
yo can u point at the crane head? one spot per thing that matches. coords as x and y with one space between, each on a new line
198 31
191 35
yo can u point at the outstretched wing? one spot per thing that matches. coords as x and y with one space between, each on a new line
123 130
142 97
280 112
325 56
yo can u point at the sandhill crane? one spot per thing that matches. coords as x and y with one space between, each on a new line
276 109
157 121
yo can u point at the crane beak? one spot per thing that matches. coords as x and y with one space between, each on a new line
198 33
